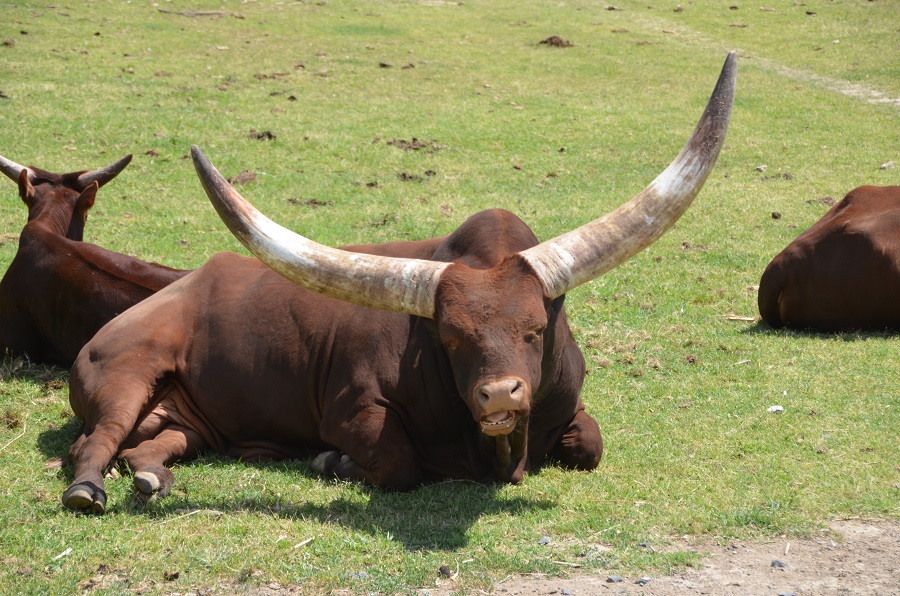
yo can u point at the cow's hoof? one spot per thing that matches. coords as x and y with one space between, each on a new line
146 482
157 481
85 497
325 462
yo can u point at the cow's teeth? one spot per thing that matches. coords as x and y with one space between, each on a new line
503 422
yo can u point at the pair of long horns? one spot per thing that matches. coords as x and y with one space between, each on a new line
84 179
410 285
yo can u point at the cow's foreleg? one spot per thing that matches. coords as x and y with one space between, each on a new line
581 445
149 459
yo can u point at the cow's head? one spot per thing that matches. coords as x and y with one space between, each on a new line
491 320
60 200
491 324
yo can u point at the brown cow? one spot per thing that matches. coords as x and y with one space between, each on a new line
58 290
842 273
398 363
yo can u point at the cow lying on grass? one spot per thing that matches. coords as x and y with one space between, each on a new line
58 290
397 363
842 273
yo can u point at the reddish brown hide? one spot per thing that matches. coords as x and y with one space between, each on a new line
843 273
466 368
58 290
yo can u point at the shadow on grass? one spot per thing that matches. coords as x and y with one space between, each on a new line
762 328
434 516
55 442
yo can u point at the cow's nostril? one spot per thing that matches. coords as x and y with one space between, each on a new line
505 389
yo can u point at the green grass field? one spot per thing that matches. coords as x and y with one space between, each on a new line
557 135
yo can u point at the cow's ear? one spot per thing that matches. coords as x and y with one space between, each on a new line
26 190
86 198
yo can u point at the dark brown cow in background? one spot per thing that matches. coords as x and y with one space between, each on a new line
843 273
394 369
58 290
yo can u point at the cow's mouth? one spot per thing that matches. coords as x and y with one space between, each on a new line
498 423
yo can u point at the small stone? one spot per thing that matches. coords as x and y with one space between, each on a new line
614 579
357 575
775 409
544 540
778 564
565 592
762 168
887 165
445 571
644 581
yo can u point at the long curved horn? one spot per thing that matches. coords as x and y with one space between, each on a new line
104 175
11 169
579 256
395 284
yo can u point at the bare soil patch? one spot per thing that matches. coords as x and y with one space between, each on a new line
853 557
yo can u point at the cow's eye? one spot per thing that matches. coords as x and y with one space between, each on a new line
533 336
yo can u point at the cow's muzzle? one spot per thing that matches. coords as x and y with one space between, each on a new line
499 403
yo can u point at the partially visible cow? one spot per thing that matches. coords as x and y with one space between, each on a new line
58 290
397 363
843 273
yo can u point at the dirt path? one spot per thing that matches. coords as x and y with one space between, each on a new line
855 558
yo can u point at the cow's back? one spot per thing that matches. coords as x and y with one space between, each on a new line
843 272
57 293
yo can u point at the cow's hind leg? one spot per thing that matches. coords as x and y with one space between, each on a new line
150 459
85 494
581 445
111 412
93 452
